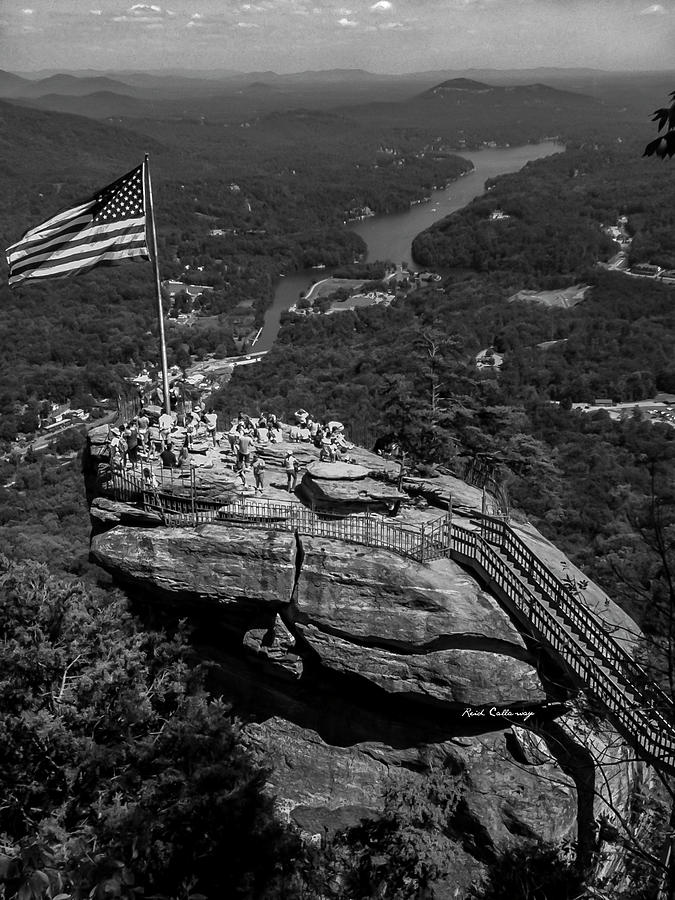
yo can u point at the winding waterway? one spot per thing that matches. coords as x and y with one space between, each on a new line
391 236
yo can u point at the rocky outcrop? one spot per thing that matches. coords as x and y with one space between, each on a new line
347 484
235 570
106 513
379 598
428 633
323 788
466 677
352 664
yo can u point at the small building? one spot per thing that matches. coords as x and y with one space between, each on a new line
646 270
179 287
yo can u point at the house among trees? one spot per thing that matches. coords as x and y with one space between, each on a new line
179 287
646 270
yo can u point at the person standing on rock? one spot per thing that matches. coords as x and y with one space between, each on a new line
143 429
291 467
211 420
131 436
259 473
244 450
184 455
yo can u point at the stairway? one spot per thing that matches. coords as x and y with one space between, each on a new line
638 708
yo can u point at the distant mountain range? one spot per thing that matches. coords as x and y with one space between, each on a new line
232 95
13 86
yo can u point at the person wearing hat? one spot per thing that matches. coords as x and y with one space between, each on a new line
117 448
291 467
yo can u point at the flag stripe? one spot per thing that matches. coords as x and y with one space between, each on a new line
67 215
108 229
111 258
99 235
106 260
67 255
53 234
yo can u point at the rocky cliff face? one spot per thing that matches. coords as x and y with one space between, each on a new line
352 663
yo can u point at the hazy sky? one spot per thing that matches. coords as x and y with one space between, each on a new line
379 35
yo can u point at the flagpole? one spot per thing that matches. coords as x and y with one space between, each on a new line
158 287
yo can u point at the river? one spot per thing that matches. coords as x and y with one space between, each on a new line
391 236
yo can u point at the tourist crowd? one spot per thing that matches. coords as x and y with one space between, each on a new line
163 443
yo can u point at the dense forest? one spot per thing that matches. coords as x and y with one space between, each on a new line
555 210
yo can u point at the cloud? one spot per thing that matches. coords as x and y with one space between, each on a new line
393 26
96 12
28 12
143 14
381 6
196 16
654 10
247 25
347 23
343 11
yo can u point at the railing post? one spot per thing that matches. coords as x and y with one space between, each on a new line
193 487
422 544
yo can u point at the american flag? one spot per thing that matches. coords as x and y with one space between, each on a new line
106 230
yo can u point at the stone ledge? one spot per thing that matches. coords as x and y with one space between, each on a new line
337 471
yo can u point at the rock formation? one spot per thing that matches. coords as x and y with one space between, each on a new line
351 663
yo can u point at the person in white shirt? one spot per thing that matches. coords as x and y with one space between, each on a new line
165 426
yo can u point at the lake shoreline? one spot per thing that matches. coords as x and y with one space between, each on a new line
390 236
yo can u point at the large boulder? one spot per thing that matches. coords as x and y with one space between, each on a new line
323 787
376 597
229 568
465 677
428 633
337 471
